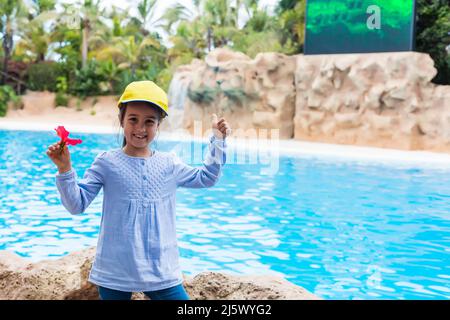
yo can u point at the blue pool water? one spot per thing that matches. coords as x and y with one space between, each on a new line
342 230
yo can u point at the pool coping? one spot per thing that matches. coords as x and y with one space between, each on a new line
274 147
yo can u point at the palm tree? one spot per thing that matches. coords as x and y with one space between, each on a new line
174 14
188 37
127 52
35 38
146 13
41 6
221 18
292 19
217 18
188 43
12 13
260 21
90 13
250 6
117 16
213 24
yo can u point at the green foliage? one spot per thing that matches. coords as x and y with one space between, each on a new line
45 5
260 21
291 21
88 80
189 42
253 43
43 76
61 84
108 71
122 48
117 28
61 99
7 94
206 95
202 95
163 79
78 108
432 27
125 77
236 95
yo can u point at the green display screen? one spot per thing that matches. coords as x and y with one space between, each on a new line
347 26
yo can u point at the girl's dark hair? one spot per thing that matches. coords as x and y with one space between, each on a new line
123 111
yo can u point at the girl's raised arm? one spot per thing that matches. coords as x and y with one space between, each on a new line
209 173
205 176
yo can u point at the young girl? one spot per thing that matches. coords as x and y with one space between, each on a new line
137 247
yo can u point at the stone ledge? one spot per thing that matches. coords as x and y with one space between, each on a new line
66 279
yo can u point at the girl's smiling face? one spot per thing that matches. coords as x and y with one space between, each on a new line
140 124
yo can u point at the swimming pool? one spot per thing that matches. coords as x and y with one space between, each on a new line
341 229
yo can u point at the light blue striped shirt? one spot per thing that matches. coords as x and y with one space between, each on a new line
137 247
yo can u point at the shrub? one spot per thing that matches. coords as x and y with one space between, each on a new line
94 101
164 77
125 77
202 95
432 35
61 99
111 74
61 84
79 105
235 95
43 76
87 80
7 94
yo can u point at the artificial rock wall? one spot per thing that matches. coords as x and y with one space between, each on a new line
382 99
256 93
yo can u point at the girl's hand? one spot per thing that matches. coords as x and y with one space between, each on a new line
220 128
60 157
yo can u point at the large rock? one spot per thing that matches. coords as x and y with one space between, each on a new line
214 285
250 93
379 99
66 279
382 99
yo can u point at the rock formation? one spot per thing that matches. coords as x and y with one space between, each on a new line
383 99
250 93
379 99
66 279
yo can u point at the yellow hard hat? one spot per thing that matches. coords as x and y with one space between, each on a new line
145 91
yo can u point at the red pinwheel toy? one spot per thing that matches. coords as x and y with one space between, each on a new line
64 135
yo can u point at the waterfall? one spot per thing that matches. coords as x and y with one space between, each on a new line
178 89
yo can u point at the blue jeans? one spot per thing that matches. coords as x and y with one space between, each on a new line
173 293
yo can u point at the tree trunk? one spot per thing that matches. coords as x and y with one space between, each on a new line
209 39
41 57
7 48
84 44
238 5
